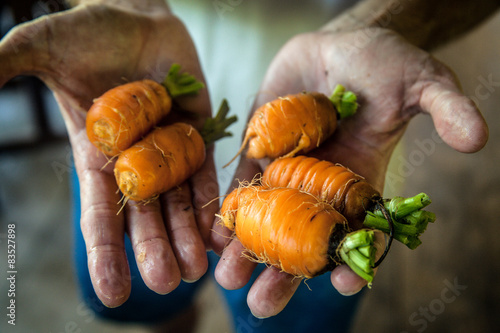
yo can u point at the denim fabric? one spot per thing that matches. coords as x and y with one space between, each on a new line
316 306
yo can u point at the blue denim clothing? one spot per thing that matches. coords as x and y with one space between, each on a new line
143 305
316 306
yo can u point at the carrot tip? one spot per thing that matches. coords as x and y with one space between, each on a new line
238 153
127 182
104 137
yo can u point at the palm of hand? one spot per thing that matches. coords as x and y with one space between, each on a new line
83 52
393 81
80 54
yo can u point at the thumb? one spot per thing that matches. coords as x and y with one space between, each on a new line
23 50
457 119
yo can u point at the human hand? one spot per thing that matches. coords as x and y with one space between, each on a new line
394 81
79 54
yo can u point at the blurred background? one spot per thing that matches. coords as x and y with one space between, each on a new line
449 284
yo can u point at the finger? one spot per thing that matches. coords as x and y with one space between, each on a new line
456 118
21 49
183 232
346 281
246 171
103 231
220 236
271 292
152 249
233 271
205 191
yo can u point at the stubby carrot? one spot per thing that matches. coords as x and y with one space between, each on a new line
163 159
295 232
295 123
124 114
167 156
352 196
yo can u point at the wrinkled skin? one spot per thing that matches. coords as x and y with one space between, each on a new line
83 52
394 81
79 54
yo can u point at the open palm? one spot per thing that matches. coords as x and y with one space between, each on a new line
394 81
79 54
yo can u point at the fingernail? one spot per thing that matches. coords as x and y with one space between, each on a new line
259 317
350 293
189 280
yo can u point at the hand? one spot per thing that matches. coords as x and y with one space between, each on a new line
394 81
79 54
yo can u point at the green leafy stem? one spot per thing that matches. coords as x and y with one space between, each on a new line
357 250
408 218
344 101
178 84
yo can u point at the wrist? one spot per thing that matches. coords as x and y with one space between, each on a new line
136 5
423 23
363 15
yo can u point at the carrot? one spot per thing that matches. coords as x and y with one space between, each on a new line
352 196
122 115
295 123
296 232
167 156
163 159
346 191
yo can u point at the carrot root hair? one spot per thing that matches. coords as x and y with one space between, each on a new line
238 153
124 199
109 160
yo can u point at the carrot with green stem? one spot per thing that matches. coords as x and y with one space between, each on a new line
296 232
167 156
353 197
295 123
124 114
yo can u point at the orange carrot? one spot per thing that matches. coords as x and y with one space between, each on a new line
163 159
295 123
347 192
124 114
295 232
167 156
352 196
